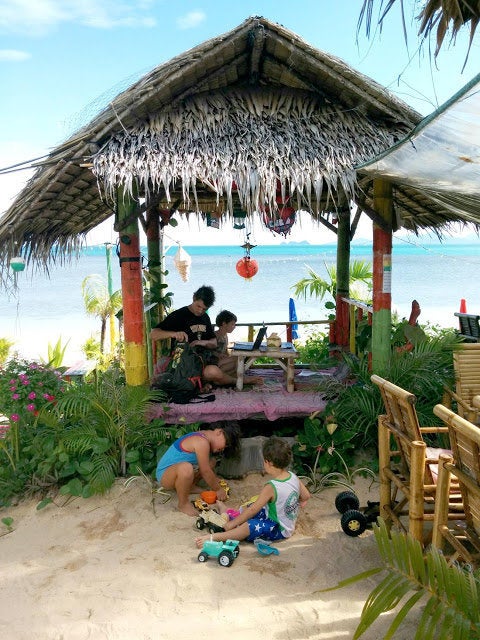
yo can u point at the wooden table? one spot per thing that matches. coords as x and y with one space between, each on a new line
284 357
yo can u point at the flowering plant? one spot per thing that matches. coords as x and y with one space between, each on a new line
26 387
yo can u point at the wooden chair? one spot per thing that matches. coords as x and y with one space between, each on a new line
469 327
407 472
463 468
466 363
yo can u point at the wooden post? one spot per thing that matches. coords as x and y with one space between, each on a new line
382 278
343 279
136 371
155 258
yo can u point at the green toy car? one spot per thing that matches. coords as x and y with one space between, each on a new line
226 552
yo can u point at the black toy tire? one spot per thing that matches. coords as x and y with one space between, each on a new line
346 500
353 523
226 558
202 556
200 523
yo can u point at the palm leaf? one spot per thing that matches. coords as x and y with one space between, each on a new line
451 593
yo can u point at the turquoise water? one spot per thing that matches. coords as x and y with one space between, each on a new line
438 276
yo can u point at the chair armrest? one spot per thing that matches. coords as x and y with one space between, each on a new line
433 429
476 402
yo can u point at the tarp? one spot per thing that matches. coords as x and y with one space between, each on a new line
441 156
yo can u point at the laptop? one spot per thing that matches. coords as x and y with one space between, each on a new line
251 346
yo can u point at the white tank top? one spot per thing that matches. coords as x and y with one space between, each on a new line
284 508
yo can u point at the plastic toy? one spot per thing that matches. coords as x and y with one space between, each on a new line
212 520
264 547
225 552
354 520
225 487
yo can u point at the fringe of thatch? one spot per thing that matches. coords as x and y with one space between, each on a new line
253 138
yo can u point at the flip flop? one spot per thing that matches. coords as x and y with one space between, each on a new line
264 548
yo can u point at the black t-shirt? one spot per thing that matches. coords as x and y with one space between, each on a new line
196 327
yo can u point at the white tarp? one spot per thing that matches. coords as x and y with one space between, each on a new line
441 156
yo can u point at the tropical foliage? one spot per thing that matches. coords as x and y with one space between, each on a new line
446 597
435 15
99 303
76 437
314 286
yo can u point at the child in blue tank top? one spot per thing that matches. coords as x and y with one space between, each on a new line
191 457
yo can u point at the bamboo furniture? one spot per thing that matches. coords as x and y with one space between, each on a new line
463 468
466 363
408 471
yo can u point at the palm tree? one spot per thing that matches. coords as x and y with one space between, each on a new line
315 286
441 15
99 303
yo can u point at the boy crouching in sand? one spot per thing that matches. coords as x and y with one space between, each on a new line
191 458
274 513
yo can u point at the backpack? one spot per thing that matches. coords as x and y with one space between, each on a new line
182 380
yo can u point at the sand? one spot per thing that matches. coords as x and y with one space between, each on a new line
124 567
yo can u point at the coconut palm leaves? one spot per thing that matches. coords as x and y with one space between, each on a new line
99 303
448 595
439 15
315 286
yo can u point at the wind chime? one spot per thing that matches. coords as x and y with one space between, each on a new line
247 267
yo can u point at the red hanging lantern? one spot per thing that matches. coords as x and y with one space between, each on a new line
246 267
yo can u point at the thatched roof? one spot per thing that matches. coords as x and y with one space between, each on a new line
221 126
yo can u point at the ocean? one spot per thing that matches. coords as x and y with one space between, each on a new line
47 308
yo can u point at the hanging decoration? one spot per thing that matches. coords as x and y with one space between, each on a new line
281 220
182 262
247 267
17 264
239 216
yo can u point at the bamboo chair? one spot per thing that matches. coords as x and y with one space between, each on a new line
408 472
466 363
463 468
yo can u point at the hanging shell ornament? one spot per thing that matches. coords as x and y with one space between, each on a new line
182 263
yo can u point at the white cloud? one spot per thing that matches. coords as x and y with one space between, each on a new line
38 17
191 20
13 55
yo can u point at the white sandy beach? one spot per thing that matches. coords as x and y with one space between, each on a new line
121 567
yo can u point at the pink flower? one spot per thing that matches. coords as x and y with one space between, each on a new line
14 417
32 395
13 382
25 381
15 396
40 384
30 407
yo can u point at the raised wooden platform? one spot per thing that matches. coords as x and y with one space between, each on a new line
268 402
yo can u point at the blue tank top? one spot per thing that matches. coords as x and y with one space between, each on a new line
176 453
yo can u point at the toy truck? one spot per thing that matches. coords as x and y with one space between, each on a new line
212 520
225 552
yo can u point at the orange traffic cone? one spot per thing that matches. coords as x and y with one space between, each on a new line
463 306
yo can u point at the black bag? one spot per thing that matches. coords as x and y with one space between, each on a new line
182 381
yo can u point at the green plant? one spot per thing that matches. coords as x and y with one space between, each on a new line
449 595
105 431
5 346
25 388
327 451
315 351
55 354
360 273
425 371
98 302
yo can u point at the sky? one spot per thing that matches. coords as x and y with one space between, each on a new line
61 61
